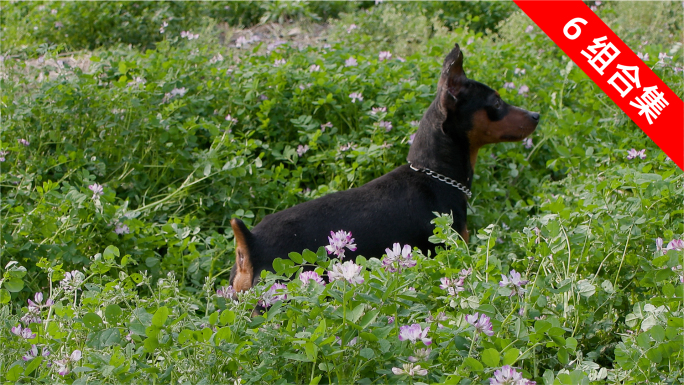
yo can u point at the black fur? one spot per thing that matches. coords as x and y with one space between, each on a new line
398 206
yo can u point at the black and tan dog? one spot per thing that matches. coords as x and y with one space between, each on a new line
398 206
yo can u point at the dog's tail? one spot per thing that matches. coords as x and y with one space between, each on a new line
242 274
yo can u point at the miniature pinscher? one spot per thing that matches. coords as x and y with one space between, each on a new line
396 207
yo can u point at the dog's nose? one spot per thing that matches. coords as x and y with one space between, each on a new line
535 116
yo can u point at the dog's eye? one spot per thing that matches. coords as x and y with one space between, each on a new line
497 103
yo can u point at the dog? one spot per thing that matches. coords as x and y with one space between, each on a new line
398 206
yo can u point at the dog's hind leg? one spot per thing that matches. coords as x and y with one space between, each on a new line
242 274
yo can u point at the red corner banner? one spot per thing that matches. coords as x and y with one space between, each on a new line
609 62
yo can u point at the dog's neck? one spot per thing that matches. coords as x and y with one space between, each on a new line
432 148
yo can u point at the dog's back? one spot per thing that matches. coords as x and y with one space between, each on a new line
396 207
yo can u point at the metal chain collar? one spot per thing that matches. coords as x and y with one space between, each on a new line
444 179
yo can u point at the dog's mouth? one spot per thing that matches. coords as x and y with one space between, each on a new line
512 138
516 138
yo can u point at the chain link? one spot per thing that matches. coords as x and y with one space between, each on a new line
443 178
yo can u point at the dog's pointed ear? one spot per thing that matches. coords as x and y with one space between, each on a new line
453 77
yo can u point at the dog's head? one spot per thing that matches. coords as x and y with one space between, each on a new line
472 109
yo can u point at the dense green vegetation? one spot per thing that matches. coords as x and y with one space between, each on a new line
126 151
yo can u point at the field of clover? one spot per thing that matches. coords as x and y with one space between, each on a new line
126 147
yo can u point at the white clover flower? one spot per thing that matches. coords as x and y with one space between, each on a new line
62 366
420 355
309 276
386 125
410 369
338 241
97 190
302 149
31 354
189 35
121 229
348 271
452 286
398 258
633 153
275 293
482 324
356 96
217 58
514 282
508 376
72 280
226 292
414 333
241 41
528 143
643 57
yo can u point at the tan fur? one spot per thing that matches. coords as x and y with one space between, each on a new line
244 274
465 234
512 128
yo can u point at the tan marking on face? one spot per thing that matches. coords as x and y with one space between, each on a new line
515 126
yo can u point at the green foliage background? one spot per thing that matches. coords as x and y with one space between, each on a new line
92 97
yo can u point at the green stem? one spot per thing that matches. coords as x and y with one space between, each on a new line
567 241
472 343
313 369
47 320
601 265
487 258
525 352
623 258
534 284
505 321
185 185
344 303
570 294
396 319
